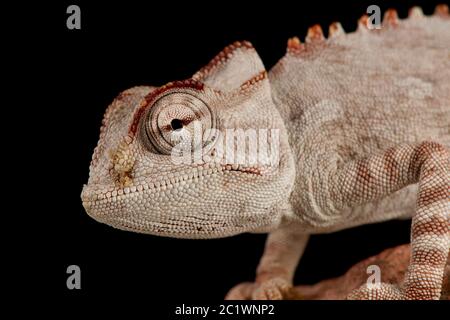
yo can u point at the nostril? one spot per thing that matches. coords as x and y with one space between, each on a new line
176 124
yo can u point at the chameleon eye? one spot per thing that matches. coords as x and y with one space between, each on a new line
178 119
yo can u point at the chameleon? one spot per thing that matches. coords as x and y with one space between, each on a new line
358 129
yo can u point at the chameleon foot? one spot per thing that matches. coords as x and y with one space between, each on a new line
381 291
272 289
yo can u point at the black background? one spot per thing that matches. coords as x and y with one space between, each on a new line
131 43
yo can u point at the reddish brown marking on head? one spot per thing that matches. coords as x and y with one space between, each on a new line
259 77
150 98
223 56
123 95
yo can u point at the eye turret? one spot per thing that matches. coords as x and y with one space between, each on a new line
178 119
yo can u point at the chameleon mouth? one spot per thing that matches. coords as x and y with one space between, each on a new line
98 192
244 169
100 200
119 211
183 230
138 208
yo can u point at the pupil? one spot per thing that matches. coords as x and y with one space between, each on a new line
176 124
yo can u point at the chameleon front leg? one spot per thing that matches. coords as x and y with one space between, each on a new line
427 164
276 270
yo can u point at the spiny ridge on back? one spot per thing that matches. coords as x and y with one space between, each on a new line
315 34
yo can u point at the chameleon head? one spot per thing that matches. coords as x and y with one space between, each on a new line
201 158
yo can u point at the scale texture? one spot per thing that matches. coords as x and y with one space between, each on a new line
359 124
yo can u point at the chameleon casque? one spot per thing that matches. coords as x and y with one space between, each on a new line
363 122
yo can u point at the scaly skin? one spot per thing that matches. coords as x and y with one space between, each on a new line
364 136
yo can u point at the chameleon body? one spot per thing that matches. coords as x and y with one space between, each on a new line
362 135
